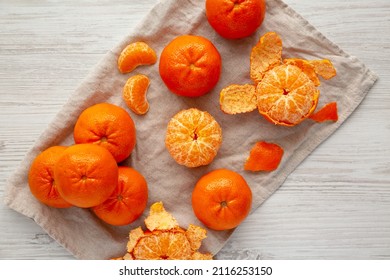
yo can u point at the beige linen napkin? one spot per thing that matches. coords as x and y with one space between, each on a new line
85 236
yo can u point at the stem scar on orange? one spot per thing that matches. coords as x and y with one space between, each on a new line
86 175
221 199
41 178
109 126
193 137
234 19
127 202
190 66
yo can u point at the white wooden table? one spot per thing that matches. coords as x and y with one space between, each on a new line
335 205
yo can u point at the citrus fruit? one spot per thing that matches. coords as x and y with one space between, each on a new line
86 175
134 55
306 67
109 126
265 55
134 94
193 137
41 178
234 19
190 65
221 199
326 113
264 156
235 99
164 239
286 96
127 202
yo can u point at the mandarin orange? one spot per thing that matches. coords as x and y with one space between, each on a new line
109 126
134 94
86 175
190 66
234 19
193 137
221 199
41 178
127 202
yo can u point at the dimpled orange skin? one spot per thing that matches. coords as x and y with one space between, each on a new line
190 66
109 126
41 178
127 202
235 19
86 175
221 199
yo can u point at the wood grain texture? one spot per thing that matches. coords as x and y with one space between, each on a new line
335 205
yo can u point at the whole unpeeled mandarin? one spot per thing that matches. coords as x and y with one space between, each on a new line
86 175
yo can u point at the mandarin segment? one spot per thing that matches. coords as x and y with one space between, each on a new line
134 55
235 99
286 95
326 113
165 239
265 55
264 156
193 137
134 94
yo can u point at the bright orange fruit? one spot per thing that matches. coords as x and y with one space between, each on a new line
127 202
234 19
109 126
326 113
193 137
134 94
86 175
264 156
306 67
134 55
190 65
221 199
286 96
41 178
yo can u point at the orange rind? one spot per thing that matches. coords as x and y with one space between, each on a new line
134 94
236 99
164 239
265 55
326 113
264 156
134 55
193 137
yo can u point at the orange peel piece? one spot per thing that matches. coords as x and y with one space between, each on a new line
235 99
164 239
306 67
326 113
324 68
264 156
134 94
134 55
265 55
